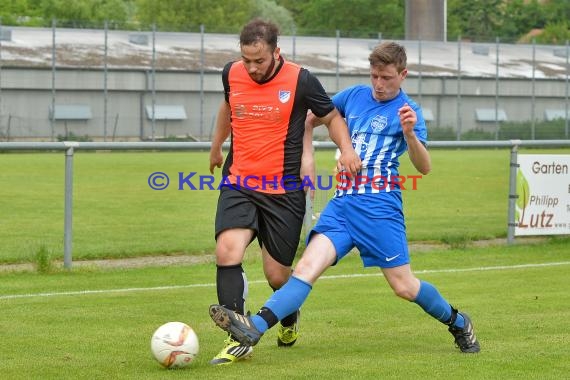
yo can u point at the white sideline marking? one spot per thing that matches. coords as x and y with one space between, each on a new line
126 290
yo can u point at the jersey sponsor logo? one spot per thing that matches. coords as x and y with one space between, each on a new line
378 123
284 96
256 112
359 141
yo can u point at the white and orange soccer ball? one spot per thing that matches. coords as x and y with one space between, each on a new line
174 345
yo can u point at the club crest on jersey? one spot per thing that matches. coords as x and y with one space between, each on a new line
378 123
284 96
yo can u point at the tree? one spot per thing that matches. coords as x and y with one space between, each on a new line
116 12
555 33
357 18
557 11
19 12
269 10
82 13
72 14
476 20
514 23
481 20
224 16
508 19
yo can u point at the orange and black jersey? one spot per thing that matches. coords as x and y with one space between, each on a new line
268 123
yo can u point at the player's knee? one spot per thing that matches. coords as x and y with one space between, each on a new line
304 270
228 255
277 282
276 279
404 292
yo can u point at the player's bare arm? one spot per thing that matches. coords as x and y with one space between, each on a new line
418 153
221 133
338 132
308 159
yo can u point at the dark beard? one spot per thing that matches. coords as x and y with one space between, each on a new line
269 71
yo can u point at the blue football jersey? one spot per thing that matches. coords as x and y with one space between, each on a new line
377 136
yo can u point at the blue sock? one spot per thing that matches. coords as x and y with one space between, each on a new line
460 321
434 304
259 323
284 301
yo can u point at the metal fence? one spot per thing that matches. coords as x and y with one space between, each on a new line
468 90
69 148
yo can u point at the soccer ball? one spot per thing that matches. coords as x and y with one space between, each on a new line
174 345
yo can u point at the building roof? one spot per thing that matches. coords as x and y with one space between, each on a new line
182 51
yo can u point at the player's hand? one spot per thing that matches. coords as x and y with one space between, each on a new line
408 118
216 160
349 161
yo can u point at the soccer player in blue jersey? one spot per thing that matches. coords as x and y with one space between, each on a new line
366 212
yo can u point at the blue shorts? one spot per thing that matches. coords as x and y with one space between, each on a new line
373 223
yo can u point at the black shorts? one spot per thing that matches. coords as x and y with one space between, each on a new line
277 219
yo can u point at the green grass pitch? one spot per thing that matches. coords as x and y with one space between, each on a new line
93 323
96 324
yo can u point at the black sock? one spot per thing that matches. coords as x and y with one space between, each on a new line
289 320
231 284
453 317
268 317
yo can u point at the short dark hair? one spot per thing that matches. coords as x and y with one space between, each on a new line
388 53
259 30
